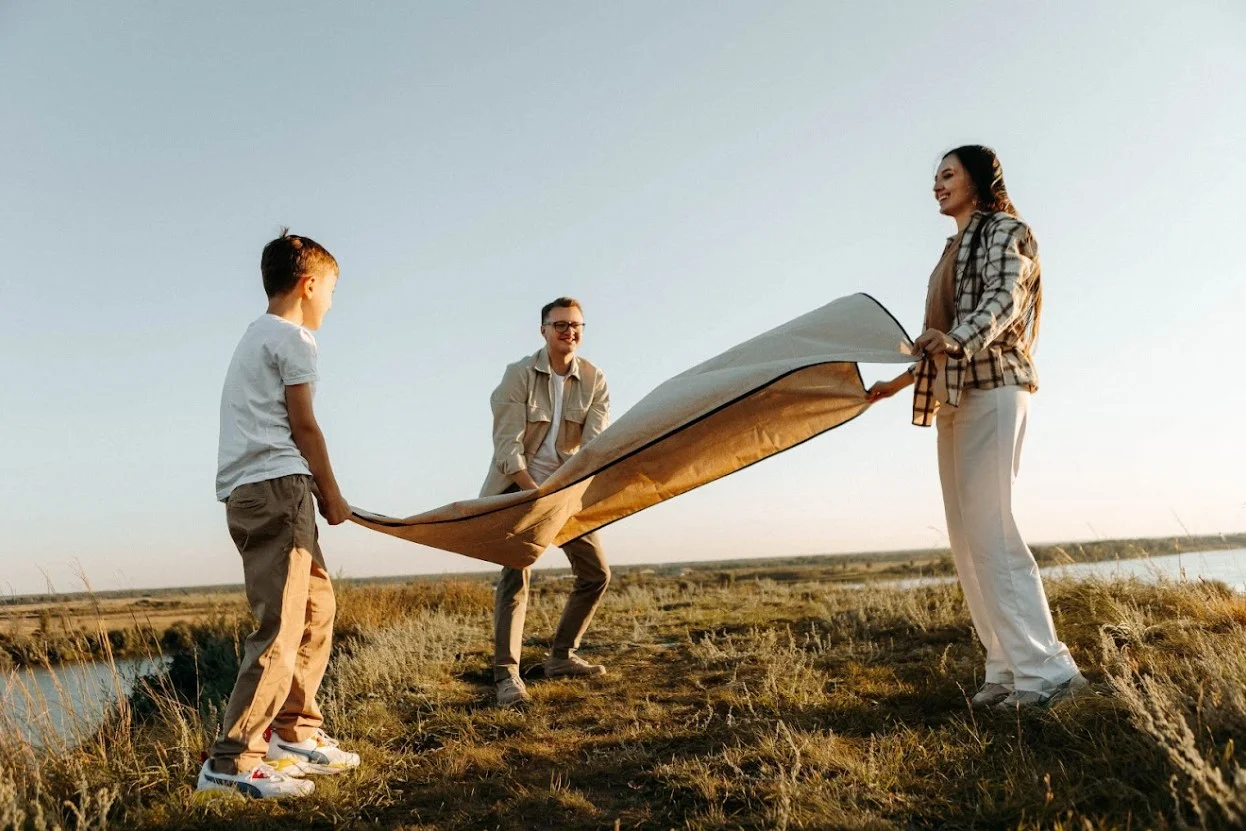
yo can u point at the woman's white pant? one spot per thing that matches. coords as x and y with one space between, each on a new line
979 455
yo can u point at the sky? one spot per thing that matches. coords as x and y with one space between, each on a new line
695 173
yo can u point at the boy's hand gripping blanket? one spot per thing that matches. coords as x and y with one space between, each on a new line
755 400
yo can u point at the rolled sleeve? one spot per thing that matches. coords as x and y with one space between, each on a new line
509 403
1006 281
598 417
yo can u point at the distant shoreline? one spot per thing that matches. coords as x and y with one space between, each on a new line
1046 553
52 629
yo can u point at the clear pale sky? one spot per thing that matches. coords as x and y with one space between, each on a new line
695 173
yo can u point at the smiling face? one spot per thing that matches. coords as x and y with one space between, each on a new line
953 188
563 343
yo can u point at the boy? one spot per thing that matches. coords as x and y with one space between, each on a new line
272 461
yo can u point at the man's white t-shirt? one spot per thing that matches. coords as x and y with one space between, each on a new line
256 443
545 460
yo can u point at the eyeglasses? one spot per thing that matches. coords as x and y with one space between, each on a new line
561 326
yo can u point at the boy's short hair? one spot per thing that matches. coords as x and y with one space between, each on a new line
290 258
560 303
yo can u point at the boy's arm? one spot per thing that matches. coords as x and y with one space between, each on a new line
310 442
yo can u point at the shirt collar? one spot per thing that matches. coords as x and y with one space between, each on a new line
542 364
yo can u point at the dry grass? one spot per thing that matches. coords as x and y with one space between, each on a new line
730 704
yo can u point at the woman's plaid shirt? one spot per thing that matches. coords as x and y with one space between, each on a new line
996 319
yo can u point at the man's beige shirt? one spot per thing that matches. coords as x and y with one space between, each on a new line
523 410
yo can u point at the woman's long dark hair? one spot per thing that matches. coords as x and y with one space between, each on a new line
987 175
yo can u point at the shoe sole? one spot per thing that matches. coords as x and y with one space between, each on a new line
296 770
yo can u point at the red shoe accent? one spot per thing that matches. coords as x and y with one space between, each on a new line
268 734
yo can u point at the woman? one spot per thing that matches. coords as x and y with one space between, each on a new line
976 371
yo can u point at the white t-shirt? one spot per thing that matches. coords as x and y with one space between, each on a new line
256 442
545 460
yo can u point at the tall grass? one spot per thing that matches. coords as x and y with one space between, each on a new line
746 703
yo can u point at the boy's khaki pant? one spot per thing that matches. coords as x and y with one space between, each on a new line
592 575
273 523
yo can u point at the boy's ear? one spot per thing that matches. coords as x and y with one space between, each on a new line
307 285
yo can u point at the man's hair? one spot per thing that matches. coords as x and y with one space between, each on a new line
560 303
290 258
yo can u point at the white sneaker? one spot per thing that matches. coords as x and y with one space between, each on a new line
572 666
261 782
990 694
318 754
512 692
1071 688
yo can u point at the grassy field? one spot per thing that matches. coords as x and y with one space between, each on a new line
51 629
733 701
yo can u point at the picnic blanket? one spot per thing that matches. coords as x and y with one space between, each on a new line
753 401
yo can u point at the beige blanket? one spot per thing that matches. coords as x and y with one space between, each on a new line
759 398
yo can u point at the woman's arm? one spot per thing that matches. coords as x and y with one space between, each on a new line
886 389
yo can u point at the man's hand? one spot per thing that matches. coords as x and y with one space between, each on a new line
335 510
934 342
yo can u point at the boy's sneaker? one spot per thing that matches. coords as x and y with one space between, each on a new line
261 782
318 754
512 692
990 694
1047 698
572 665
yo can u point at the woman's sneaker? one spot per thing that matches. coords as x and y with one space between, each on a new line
261 782
990 694
1071 688
318 754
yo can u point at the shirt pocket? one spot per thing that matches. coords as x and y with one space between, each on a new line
537 413
575 414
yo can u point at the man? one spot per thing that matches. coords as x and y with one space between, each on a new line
547 406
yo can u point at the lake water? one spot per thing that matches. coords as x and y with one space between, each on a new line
70 700
1228 567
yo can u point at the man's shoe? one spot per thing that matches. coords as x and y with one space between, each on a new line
261 782
1046 698
512 692
990 694
572 665
318 754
